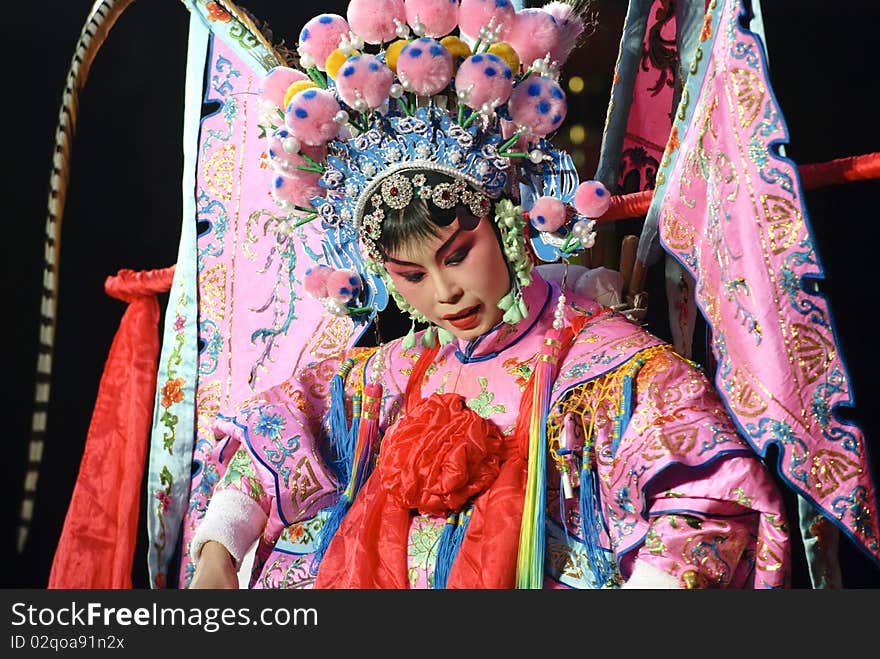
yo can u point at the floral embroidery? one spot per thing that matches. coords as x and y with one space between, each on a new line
172 392
217 13
422 550
269 425
482 404
241 472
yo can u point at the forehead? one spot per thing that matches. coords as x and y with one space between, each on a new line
421 250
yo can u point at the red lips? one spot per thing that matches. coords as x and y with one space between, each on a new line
464 320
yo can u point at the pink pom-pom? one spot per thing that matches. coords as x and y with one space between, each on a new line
486 78
425 66
365 78
276 81
592 199
296 190
438 16
474 14
286 152
310 115
321 36
571 26
548 214
534 34
538 104
343 285
315 281
373 20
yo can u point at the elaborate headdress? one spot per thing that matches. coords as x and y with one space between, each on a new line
357 131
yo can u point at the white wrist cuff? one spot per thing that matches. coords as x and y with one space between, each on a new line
647 577
234 520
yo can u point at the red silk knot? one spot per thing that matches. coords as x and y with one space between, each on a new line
440 455
130 284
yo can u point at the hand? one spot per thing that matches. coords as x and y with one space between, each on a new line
216 568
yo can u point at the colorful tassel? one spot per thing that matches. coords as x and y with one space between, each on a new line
366 427
530 558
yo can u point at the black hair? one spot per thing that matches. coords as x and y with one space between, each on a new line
421 220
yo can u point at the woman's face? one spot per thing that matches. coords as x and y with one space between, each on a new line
454 280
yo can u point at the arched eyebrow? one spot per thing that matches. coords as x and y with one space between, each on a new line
442 247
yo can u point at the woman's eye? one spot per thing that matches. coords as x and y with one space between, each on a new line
414 277
456 257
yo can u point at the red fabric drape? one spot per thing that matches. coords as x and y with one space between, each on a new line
98 539
369 549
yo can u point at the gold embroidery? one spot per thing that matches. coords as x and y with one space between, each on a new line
766 559
745 399
212 292
680 442
693 580
741 497
677 234
748 91
830 468
207 408
784 222
218 172
812 352
306 485
333 337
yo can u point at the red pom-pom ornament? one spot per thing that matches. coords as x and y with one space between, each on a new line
534 34
296 190
437 17
286 152
343 285
483 78
315 281
474 14
276 81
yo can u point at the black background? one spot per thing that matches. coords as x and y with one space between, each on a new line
124 200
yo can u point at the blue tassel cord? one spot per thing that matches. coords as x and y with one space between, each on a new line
449 543
590 519
339 435
358 443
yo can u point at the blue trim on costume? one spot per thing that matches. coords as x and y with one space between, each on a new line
688 511
255 455
465 357
228 440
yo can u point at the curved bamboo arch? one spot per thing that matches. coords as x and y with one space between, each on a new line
100 21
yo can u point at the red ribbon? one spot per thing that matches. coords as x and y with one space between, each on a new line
99 536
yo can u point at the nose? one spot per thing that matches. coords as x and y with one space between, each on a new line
447 291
